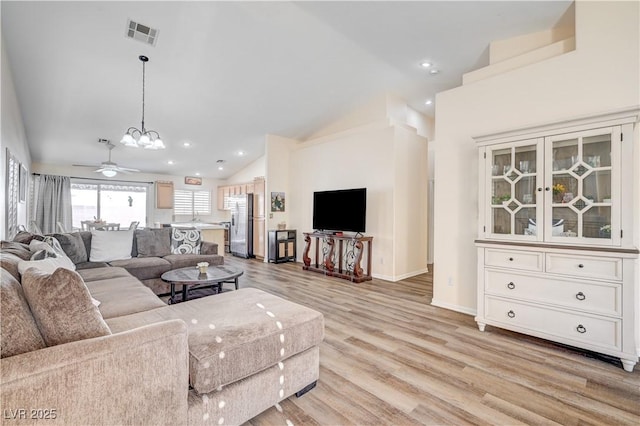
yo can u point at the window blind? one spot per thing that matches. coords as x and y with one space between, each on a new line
186 202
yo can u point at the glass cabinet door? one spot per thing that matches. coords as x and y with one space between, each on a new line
582 189
513 183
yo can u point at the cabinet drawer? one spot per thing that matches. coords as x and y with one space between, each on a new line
559 325
585 266
599 298
529 261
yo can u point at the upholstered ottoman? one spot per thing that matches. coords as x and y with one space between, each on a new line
248 350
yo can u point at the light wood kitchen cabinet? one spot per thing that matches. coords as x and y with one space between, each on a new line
556 256
258 197
164 195
258 237
220 200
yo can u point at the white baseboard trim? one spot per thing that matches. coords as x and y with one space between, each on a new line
412 274
383 277
400 277
452 307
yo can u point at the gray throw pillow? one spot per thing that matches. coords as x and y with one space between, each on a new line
62 306
18 330
73 246
153 242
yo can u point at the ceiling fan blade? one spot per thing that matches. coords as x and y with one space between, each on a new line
127 169
85 165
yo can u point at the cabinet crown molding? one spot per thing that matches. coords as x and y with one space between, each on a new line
610 118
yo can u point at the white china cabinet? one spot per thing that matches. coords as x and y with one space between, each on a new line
557 256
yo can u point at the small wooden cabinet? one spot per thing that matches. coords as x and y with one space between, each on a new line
164 195
282 246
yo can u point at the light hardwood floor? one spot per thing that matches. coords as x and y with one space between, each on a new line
390 358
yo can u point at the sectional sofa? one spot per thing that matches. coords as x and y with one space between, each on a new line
132 359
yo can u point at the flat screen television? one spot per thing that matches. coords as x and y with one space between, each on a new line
341 210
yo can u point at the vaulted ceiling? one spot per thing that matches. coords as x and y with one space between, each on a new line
222 75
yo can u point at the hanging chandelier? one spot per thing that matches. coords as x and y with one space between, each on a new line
134 137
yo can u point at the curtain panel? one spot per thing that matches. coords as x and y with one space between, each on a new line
53 202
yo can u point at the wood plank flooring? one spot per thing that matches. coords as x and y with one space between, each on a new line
390 358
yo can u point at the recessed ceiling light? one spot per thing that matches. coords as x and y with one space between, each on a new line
220 168
170 162
428 102
425 64
186 144
240 153
197 173
434 71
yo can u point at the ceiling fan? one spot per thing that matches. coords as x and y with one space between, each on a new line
109 168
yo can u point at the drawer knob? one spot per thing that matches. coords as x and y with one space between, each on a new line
581 329
511 286
511 259
580 296
511 314
580 265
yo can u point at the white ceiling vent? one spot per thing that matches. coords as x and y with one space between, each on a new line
140 32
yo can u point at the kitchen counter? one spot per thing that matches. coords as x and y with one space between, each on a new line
198 225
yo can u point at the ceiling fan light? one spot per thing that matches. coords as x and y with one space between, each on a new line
109 173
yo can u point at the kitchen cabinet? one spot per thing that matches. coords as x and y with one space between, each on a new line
164 195
220 199
258 237
282 246
556 256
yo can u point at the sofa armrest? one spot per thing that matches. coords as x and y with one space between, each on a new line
207 247
135 377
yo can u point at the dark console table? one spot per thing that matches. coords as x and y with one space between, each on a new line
338 260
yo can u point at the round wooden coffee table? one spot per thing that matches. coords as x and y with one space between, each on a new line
191 277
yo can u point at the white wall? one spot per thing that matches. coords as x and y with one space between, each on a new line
253 170
353 159
13 137
600 75
155 215
278 154
410 211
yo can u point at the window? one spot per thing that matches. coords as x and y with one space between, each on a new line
120 203
191 203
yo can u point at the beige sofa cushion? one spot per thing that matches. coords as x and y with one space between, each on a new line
62 306
143 268
122 295
183 260
104 273
18 329
236 334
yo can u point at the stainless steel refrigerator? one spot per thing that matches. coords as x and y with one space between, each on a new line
241 229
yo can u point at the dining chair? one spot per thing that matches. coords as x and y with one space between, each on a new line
87 225
61 228
134 225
